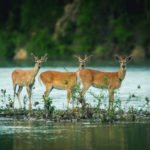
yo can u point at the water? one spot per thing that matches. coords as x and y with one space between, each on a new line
135 76
38 135
29 134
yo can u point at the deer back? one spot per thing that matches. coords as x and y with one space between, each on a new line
58 79
100 79
22 77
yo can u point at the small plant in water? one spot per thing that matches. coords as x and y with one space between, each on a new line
117 105
147 100
25 99
3 99
3 91
10 101
48 106
98 98
147 104
132 110
75 93
138 86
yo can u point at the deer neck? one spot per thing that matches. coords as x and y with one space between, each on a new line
80 67
121 74
35 70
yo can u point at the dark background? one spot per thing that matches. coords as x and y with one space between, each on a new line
63 28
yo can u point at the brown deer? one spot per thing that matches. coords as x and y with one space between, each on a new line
83 61
26 78
61 80
108 80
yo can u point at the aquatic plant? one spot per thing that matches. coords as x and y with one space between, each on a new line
48 107
138 86
3 91
147 104
10 101
75 94
2 97
97 98
6 103
25 99
117 105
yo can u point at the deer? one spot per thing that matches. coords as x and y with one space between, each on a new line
26 78
107 80
82 61
61 80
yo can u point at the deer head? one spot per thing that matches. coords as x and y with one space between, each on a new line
123 61
39 61
83 61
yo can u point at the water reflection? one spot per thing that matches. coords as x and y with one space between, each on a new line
27 135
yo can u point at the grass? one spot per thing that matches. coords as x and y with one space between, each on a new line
93 114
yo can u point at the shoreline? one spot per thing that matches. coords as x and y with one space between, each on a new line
87 115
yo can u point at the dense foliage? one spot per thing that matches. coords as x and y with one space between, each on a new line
65 27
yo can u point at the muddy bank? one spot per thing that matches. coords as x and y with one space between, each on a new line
77 115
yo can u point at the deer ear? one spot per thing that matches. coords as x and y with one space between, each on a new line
44 58
34 58
88 58
129 58
117 58
78 57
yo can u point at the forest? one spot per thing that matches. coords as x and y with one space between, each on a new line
63 28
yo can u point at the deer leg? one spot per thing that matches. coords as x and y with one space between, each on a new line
14 87
68 97
111 99
48 90
18 95
29 95
85 88
45 96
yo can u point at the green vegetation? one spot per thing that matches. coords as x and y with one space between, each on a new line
68 27
98 112
48 107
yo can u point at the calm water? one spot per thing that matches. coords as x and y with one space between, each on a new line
134 77
38 135
29 135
